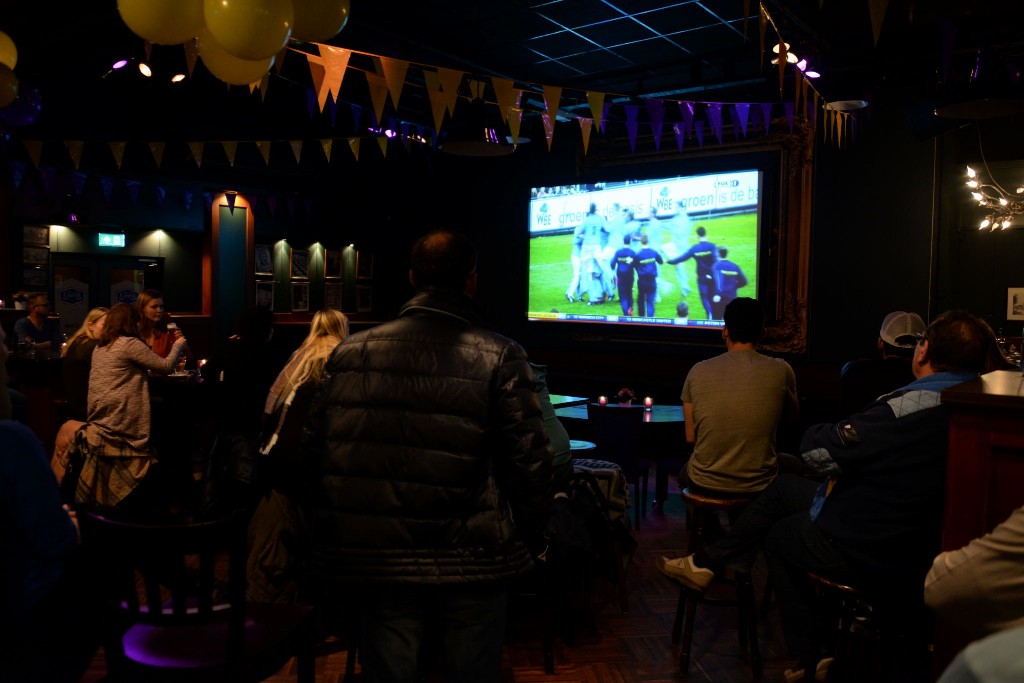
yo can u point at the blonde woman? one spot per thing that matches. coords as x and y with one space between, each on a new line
77 363
277 524
153 321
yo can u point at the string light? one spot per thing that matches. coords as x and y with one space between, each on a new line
1001 206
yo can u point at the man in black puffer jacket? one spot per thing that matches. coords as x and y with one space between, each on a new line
430 470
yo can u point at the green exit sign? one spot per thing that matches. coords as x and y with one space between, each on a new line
111 239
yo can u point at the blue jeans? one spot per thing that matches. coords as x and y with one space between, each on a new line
779 522
403 624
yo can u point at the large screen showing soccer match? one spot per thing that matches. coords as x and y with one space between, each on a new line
669 252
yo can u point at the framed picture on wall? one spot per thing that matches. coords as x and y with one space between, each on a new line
265 295
332 295
364 299
36 256
36 234
264 259
1015 303
364 265
300 296
35 278
332 263
300 263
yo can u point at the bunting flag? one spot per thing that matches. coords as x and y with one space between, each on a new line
450 80
318 74
117 149
766 114
552 96
714 114
107 185
743 114
877 9
378 93
477 88
698 129
296 146
631 124
549 127
254 85
438 106
515 119
506 94
677 131
353 144
357 116
133 191
75 148
596 102
788 107
197 152
686 111
231 150
656 112
586 125
264 147
382 142
394 74
335 62
78 182
264 85
157 149
327 145
191 56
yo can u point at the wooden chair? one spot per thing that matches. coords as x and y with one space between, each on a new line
616 432
171 617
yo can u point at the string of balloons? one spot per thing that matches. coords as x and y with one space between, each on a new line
236 39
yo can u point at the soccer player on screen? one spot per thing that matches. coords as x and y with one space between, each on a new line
704 255
623 264
646 264
728 278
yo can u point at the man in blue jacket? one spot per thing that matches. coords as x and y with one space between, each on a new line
875 519
704 255
430 471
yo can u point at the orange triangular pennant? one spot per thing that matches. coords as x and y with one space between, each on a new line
437 107
505 93
382 142
353 144
327 144
197 152
549 127
75 148
586 126
450 79
877 9
117 149
231 150
157 149
394 74
336 61
296 146
34 149
378 94
264 147
596 101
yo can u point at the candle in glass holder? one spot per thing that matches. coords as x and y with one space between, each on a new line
603 400
648 403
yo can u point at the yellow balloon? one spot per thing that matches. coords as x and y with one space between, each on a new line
317 21
164 22
226 66
249 29
8 86
8 52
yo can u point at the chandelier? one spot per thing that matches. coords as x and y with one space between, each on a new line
1001 206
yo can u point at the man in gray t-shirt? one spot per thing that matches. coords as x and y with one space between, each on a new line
732 405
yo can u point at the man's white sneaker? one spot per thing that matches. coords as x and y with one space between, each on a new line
683 569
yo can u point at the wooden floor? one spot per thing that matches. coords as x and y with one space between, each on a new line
617 647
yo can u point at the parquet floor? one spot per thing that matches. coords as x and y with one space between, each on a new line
615 647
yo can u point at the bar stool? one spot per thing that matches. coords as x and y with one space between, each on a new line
702 504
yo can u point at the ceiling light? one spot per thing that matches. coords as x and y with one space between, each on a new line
119 64
177 78
775 48
145 70
1001 205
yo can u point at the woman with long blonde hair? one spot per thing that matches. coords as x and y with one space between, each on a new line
153 322
77 363
277 524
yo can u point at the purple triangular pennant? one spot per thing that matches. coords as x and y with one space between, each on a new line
788 107
677 131
698 128
714 114
133 190
107 183
656 111
686 111
743 114
631 124
78 182
766 114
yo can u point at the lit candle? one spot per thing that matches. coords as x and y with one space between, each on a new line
648 402
603 400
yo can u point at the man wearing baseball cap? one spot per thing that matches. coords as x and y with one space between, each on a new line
862 381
